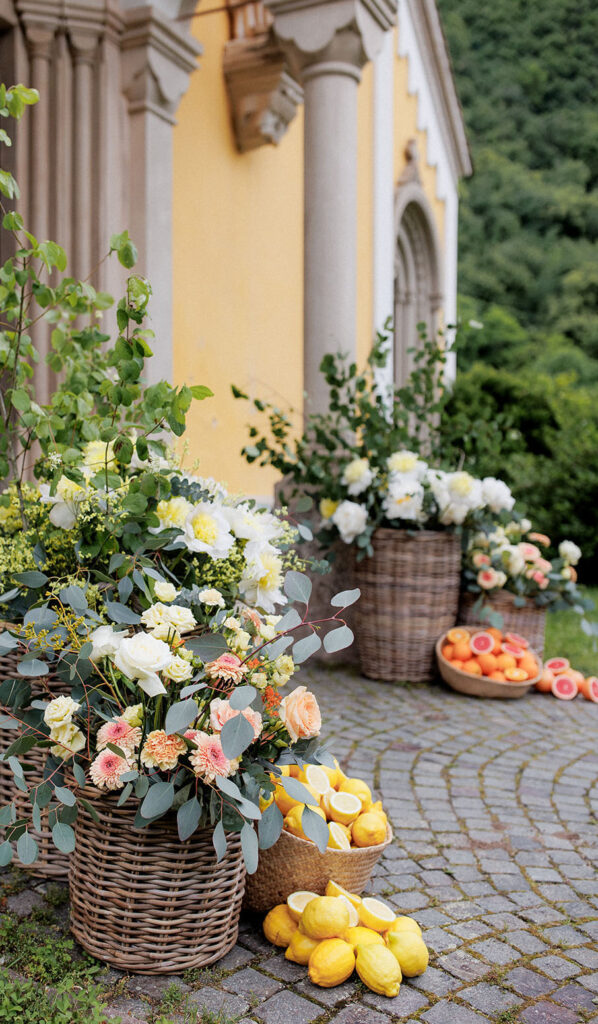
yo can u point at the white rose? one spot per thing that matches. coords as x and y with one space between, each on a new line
154 615
68 740
178 670
166 632
569 552
60 711
105 642
141 657
496 495
405 499
357 476
212 598
514 560
165 591
181 618
350 520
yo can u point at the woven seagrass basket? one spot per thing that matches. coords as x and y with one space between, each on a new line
409 596
143 901
482 686
51 863
294 863
529 621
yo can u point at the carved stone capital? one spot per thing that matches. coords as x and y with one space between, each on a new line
157 59
332 32
263 95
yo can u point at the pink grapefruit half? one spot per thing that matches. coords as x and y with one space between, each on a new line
564 687
589 688
514 649
482 643
516 638
557 665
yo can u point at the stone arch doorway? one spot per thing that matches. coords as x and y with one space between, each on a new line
418 297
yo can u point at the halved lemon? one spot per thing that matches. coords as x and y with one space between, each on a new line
375 914
298 901
339 840
316 778
334 889
353 912
358 788
341 807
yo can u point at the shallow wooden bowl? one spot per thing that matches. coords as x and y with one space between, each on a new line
481 686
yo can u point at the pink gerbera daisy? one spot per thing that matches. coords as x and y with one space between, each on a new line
121 734
209 760
106 770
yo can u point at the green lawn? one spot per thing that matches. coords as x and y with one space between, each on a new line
565 637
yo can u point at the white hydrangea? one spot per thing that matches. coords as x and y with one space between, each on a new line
570 552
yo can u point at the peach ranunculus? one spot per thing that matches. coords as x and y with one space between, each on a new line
539 578
228 667
540 538
529 551
221 712
489 579
300 714
480 558
543 565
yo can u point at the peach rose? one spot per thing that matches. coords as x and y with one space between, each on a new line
539 538
221 712
480 559
300 714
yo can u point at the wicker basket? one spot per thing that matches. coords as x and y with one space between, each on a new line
409 596
51 863
294 863
480 686
143 901
529 621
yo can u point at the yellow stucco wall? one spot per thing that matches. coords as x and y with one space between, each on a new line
238 257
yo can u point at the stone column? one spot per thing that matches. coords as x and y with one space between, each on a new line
158 58
327 42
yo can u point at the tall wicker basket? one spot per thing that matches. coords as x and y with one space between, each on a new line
409 597
143 901
51 863
529 620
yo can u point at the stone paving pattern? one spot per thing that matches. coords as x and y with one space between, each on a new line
495 810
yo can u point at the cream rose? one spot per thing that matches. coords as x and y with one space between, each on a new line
165 591
68 739
60 711
133 715
105 642
300 714
179 670
141 657
212 598
181 618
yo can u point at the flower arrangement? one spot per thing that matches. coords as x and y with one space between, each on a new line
182 714
374 458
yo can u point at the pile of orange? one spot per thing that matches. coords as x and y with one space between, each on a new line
504 657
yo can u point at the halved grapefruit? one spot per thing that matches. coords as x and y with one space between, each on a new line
589 688
557 665
564 687
516 638
514 649
482 643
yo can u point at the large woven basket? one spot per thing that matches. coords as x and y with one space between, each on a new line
409 596
294 863
143 901
529 621
51 863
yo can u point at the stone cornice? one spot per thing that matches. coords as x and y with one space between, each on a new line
158 58
354 29
94 19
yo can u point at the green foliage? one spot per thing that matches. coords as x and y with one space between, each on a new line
41 953
66 1004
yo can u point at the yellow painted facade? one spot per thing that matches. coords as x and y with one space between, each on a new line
238 257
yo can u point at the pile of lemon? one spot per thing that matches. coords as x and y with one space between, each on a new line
340 932
346 804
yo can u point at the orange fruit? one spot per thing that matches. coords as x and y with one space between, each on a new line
462 651
457 664
515 675
487 663
473 667
578 677
544 684
529 665
505 661
498 676
457 635
447 651
496 633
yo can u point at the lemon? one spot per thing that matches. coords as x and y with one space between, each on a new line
341 807
360 936
293 821
377 970
410 951
285 771
375 914
286 802
358 788
377 808
300 948
353 912
331 963
334 889
266 801
403 924
279 926
326 917
368 830
316 778
298 901
338 840
332 774
340 775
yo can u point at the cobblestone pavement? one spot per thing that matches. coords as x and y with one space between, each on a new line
495 811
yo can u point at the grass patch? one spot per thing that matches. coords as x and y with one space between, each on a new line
25 1002
565 637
